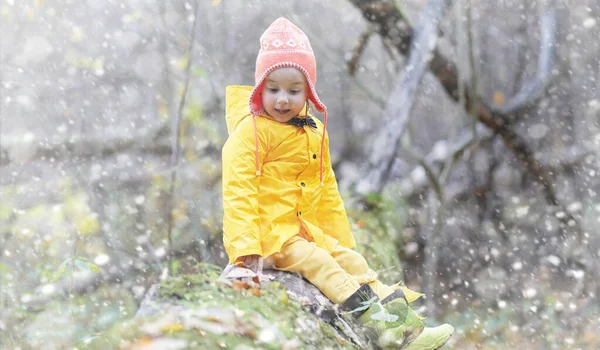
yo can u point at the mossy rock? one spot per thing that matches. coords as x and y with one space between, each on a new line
195 312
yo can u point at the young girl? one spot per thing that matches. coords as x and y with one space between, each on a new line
280 196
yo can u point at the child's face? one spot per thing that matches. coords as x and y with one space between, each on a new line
284 93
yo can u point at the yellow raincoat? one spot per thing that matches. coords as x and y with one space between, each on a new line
262 212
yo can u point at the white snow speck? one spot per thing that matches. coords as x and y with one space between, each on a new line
495 252
517 265
139 200
533 309
101 259
589 23
577 274
48 289
554 260
267 336
160 252
440 150
529 293
574 207
418 174
28 137
522 211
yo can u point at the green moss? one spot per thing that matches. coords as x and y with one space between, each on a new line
217 316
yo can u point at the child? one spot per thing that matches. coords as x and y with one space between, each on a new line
280 196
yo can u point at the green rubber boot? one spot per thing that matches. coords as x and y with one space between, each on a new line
362 304
409 332
401 328
432 338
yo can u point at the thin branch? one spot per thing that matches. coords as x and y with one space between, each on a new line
433 233
534 88
164 48
389 49
465 140
176 130
474 101
2 282
359 49
460 76
429 172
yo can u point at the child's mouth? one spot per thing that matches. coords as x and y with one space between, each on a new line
282 111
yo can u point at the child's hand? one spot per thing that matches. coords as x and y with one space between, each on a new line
253 262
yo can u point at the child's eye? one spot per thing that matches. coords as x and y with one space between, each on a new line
273 89
294 91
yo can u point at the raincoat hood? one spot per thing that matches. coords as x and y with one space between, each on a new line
236 105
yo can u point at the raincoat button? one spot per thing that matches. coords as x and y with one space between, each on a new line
299 213
314 156
302 184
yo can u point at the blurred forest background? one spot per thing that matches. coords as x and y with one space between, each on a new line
476 154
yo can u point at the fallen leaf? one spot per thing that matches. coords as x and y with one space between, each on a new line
173 327
144 340
498 98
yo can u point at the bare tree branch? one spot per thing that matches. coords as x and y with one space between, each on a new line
359 49
436 208
390 20
534 88
176 130
89 146
433 161
401 100
473 91
429 172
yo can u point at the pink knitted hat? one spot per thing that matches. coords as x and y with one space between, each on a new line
283 44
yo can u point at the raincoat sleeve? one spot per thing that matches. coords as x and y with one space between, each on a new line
241 221
331 213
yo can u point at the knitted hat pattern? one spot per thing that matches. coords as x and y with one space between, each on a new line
283 44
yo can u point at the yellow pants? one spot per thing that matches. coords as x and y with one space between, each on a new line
337 274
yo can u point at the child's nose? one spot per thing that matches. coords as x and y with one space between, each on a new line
282 98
